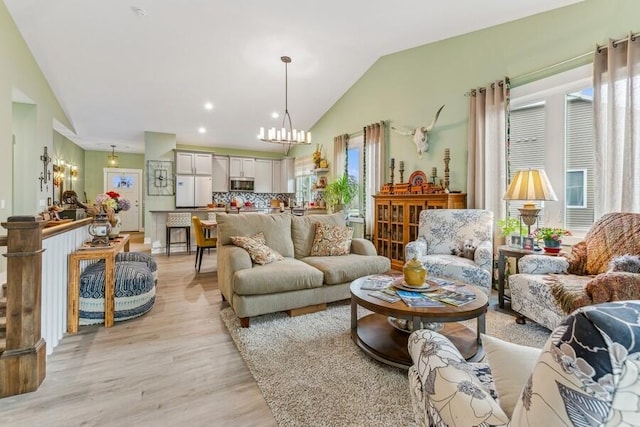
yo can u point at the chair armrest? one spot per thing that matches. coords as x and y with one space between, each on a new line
542 264
230 259
483 255
449 383
362 247
415 249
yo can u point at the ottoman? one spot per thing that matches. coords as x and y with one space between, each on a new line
135 291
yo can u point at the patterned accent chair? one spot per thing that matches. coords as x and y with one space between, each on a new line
442 231
586 374
546 294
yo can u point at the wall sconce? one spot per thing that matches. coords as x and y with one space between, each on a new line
73 174
112 159
58 173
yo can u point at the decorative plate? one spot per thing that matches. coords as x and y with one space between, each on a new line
426 287
417 178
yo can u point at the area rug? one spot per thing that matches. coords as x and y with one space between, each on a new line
312 374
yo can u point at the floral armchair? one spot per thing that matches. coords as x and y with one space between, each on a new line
441 232
585 375
548 288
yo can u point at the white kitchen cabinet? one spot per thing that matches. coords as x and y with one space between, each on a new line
220 174
263 182
283 176
241 167
188 163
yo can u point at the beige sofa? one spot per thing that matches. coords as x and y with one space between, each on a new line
297 281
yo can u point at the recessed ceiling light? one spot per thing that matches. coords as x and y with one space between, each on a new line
208 106
139 11
275 115
202 129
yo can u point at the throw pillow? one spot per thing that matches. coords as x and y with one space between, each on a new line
259 237
331 240
259 253
511 365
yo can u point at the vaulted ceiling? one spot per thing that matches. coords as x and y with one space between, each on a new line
120 68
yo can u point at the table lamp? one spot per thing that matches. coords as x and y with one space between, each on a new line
530 185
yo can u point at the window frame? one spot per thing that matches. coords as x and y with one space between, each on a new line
584 189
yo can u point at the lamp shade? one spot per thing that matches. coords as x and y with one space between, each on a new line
530 184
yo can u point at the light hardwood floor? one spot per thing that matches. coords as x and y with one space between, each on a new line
176 365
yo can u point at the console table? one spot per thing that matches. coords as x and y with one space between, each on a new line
96 253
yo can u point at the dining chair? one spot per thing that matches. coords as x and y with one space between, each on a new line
202 242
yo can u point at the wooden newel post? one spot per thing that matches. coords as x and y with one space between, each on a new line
23 363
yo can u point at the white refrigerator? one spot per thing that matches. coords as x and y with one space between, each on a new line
193 191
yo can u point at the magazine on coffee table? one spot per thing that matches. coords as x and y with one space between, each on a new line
377 282
456 297
418 299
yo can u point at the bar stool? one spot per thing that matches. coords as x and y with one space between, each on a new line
177 221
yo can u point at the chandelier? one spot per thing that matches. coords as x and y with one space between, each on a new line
112 158
287 136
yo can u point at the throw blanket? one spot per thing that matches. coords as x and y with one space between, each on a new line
569 291
612 235
572 292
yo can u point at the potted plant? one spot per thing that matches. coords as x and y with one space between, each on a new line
340 193
552 237
511 225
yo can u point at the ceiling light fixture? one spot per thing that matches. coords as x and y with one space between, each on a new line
286 136
202 129
112 159
208 106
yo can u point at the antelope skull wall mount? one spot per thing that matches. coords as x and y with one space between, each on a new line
420 134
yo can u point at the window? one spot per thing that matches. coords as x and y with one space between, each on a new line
355 170
576 188
304 179
552 128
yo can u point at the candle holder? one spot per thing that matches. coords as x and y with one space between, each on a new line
392 167
401 170
447 158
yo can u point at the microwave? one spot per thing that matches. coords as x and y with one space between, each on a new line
241 184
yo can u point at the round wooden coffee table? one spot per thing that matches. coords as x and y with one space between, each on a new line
377 337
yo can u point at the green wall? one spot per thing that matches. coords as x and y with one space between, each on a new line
231 151
407 88
65 150
96 161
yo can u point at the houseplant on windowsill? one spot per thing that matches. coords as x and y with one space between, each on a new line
340 193
112 204
552 237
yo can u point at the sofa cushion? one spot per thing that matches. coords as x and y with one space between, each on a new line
347 268
331 240
276 229
457 268
511 365
284 276
303 230
259 253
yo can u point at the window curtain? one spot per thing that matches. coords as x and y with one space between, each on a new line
487 148
616 105
373 169
340 144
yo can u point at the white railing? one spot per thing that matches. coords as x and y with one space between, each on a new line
55 268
